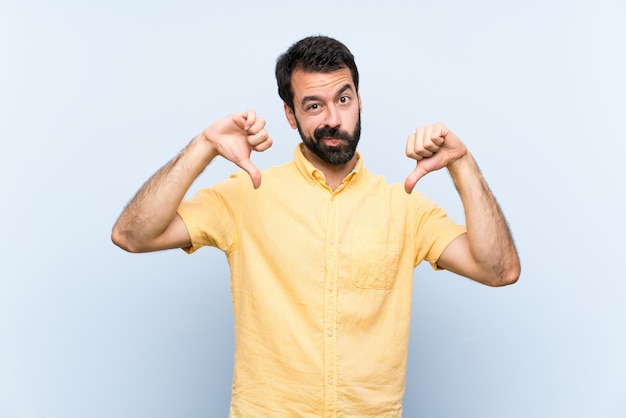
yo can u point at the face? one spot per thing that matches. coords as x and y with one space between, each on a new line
327 114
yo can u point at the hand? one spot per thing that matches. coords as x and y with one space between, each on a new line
235 136
434 147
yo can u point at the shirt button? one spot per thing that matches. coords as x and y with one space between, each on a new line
330 333
330 381
332 241
330 288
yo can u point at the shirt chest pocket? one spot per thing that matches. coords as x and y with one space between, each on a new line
375 253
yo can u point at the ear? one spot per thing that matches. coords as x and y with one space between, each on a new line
291 118
360 104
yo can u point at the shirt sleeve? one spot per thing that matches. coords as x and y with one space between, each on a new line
434 230
211 216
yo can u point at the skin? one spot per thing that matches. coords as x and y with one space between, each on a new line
486 253
325 99
149 222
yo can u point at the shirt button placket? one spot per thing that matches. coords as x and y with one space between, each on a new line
330 311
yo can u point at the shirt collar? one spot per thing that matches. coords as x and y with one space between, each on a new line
312 174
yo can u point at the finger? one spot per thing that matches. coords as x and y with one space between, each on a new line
263 145
256 138
419 139
413 178
440 129
416 147
425 153
433 143
256 126
249 117
240 119
253 172
427 148
422 142
435 137
411 147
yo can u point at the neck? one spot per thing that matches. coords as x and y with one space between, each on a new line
334 173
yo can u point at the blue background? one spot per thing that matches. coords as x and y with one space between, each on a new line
96 96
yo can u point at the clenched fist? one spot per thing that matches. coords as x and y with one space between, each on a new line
433 147
235 136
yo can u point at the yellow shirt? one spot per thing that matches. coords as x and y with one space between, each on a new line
321 286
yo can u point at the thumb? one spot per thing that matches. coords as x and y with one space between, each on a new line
253 172
410 182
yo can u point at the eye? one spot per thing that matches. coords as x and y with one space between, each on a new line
313 107
344 99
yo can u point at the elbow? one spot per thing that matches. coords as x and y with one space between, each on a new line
122 240
506 281
506 277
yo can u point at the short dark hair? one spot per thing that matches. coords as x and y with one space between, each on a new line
315 54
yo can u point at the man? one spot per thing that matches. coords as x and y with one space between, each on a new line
321 251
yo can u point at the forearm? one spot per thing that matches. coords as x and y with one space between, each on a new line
490 242
152 209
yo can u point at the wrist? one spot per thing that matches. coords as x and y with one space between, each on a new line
461 163
204 143
463 168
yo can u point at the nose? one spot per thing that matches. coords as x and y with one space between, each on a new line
333 116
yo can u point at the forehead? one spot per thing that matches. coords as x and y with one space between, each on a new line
319 84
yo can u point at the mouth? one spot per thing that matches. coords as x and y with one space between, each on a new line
332 141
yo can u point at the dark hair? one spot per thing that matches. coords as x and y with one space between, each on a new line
316 54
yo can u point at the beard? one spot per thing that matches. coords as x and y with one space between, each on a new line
335 154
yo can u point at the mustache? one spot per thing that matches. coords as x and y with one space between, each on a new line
328 132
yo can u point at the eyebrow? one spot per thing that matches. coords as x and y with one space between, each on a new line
314 98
